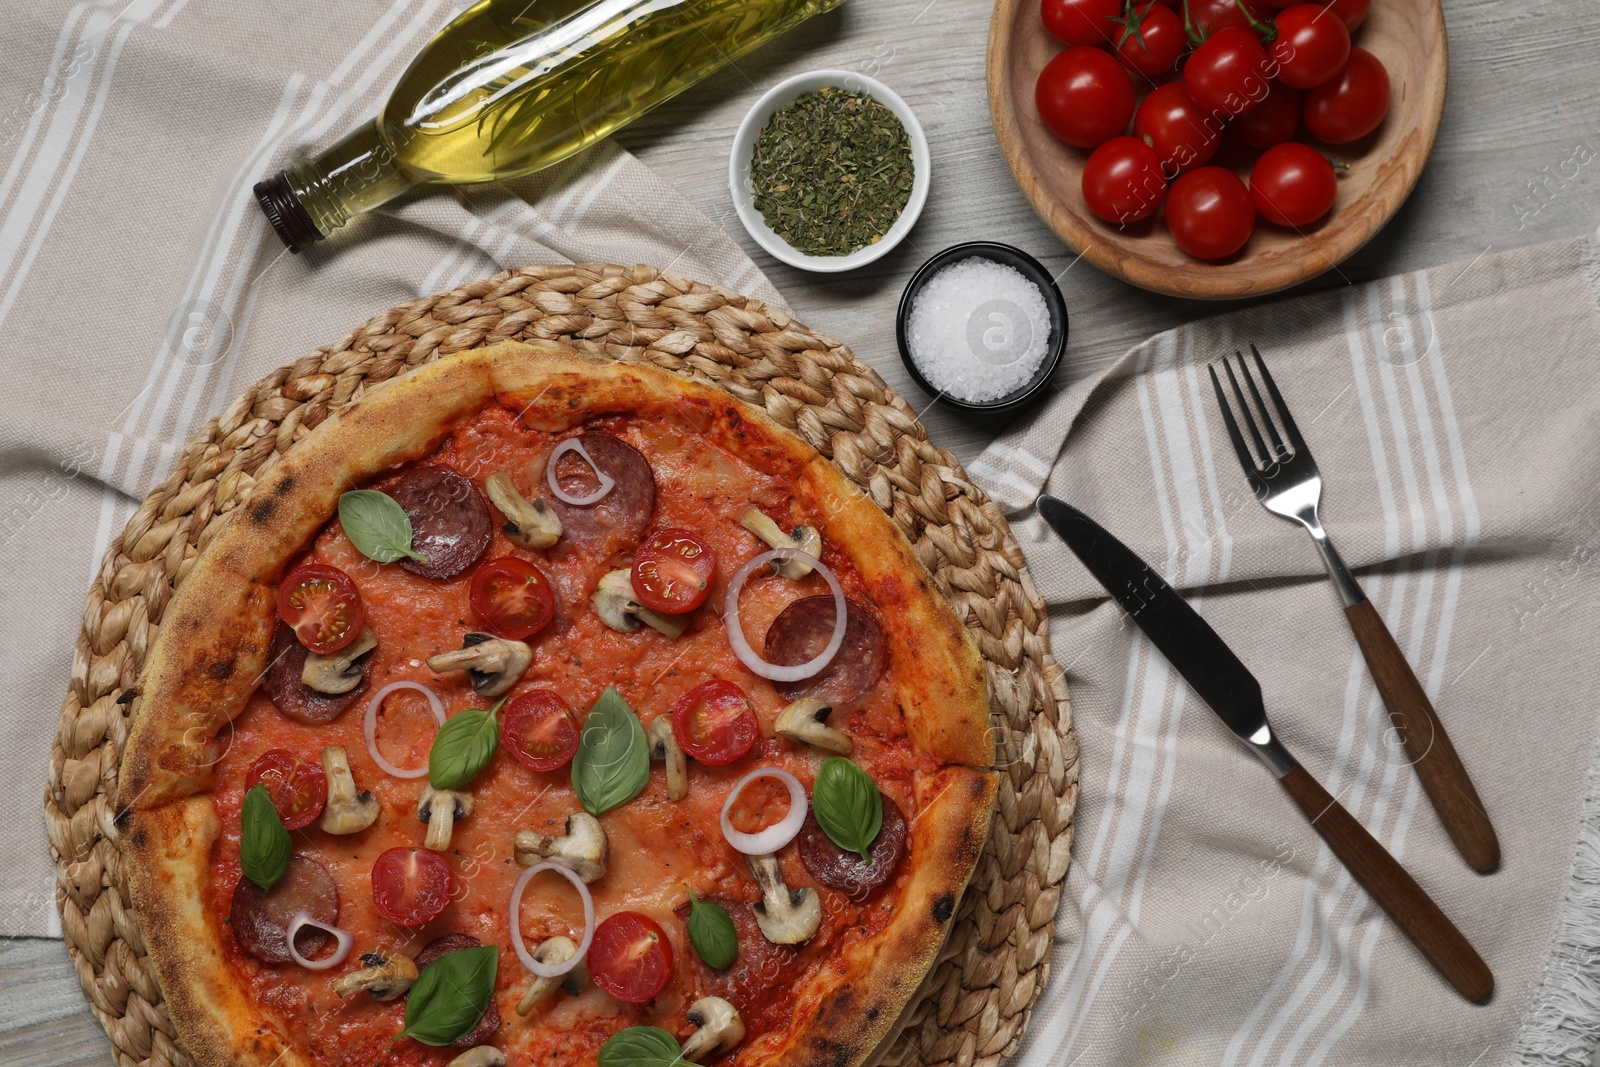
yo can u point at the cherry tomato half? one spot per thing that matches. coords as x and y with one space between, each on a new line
1293 185
1084 96
1352 104
411 886
540 730
1076 22
630 957
1122 180
298 788
1183 135
1311 47
512 597
1210 213
323 606
1227 72
1273 121
673 570
1150 40
715 723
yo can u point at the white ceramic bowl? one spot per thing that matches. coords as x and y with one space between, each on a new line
744 143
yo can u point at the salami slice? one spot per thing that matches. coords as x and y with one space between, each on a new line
260 918
618 520
846 871
759 980
450 523
801 632
286 659
443 946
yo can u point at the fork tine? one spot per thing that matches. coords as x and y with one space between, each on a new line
1266 413
1249 420
1290 430
1239 446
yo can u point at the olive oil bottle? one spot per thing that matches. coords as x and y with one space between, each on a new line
513 86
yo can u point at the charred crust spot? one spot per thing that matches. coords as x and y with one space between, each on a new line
944 907
286 486
121 821
221 670
873 1012
261 511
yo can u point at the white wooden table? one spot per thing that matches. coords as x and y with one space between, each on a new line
1524 100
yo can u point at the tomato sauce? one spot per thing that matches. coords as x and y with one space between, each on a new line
656 845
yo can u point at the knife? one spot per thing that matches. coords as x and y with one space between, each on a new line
1215 673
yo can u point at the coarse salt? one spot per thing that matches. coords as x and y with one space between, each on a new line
978 329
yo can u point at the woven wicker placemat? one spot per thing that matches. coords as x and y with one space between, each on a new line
977 1000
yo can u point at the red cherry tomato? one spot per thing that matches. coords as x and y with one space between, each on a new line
1351 105
1183 135
1273 121
1311 47
540 730
1210 213
1208 16
1226 73
1084 96
512 597
1080 22
630 957
298 788
1352 12
1122 180
1150 40
672 572
1293 185
715 723
411 886
323 607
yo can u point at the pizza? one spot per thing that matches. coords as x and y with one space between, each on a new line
544 709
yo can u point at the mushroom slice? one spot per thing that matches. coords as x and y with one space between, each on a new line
717 1028
552 951
441 809
480 1056
338 672
786 916
617 607
583 847
805 538
664 746
802 722
531 525
494 663
347 811
384 975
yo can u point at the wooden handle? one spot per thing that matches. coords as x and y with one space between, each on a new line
1426 743
1396 892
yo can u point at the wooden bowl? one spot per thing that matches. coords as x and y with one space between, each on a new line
1407 35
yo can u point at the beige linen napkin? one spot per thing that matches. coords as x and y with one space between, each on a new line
141 289
1453 413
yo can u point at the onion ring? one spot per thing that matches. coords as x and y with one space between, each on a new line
780 833
343 939
550 970
573 444
370 725
741 647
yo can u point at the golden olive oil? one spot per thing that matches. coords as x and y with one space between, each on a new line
513 86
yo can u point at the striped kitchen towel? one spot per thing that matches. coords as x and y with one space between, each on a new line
1455 414
141 289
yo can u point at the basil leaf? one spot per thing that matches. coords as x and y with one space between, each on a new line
264 844
641 1046
463 747
451 995
712 933
613 760
377 525
848 806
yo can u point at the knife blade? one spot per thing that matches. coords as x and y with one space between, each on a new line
1229 689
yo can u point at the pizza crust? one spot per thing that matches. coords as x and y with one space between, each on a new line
212 647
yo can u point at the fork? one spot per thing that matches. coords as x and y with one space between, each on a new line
1284 477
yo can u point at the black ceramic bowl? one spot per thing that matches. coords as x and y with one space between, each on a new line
1054 347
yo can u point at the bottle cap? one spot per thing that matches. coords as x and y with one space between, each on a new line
288 216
